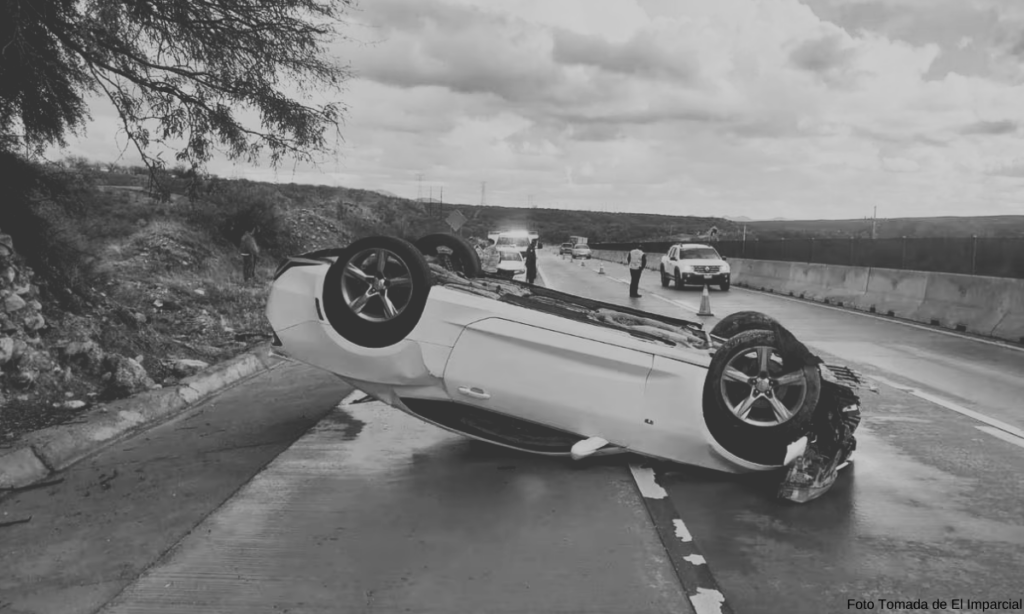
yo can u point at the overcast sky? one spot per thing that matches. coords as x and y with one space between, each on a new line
757 108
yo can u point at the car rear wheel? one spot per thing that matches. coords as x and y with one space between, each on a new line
757 400
375 292
452 252
742 321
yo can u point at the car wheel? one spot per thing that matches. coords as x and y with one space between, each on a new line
742 321
679 280
757 400
375 292
664 278
724 286
452 252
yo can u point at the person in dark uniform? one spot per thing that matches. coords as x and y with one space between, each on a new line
637 261
531 262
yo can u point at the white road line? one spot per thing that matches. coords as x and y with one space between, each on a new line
707 601
645 481
1017 441
891 321
678 303
681 531
695 559
950 405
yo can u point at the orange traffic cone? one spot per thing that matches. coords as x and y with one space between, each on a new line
600 269
583 263
705 303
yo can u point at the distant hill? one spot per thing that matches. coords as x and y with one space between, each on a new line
892 228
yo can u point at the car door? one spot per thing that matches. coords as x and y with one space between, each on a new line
560 380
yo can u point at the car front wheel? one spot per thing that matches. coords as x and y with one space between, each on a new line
664 278
759 397
375 292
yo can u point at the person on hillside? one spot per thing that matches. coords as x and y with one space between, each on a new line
637 261
531 262
250 252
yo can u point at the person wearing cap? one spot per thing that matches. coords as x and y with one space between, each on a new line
637 261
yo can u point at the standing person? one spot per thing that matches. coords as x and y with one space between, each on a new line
250 252
637 261
531 262
490 257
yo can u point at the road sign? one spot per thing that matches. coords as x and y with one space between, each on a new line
456 220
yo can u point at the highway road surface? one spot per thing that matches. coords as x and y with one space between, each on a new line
287 494
933 505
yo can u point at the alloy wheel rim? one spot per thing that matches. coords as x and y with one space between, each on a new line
376 284
757 391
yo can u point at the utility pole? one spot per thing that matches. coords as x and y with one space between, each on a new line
874 222
483 193
440 205
419 190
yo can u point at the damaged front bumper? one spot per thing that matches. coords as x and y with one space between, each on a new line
827 448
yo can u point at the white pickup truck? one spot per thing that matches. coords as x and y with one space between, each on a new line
695 265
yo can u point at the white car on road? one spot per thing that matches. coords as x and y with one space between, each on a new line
581 250
511 264
692 264
551 373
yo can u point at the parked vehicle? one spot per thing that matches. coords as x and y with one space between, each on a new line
430 337
581 251
566 248
695 264
511 264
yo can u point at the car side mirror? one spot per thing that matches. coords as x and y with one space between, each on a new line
673 259
724 259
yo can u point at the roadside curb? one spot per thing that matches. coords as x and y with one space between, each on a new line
53 449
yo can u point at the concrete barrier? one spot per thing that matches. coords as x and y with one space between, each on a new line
989 306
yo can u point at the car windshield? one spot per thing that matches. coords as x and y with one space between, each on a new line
700 253
511 256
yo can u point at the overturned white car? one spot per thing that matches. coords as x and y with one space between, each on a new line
420 328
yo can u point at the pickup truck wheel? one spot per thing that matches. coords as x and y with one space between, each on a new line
375 292
452 252
757 401
679 280
724 286
742 321
664 278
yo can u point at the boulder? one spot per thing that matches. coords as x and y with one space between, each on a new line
6 350
85 355
14 303
126 376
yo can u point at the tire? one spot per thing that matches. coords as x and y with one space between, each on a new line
372 326
679 280
724 286
664 278
762 437
462 257
742 321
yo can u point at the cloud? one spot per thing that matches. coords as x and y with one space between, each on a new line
736 107
990 127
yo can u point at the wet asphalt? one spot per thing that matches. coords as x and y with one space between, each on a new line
241 506
932 508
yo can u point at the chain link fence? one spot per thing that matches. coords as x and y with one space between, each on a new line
991 257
